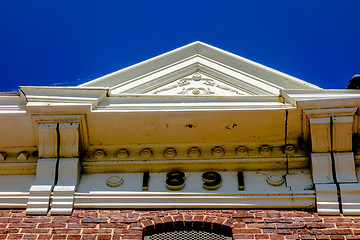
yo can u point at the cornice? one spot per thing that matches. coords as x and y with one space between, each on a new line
322 98
135 102
58 99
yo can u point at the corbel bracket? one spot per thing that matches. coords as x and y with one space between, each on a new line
332 159
40 191
60 139
68 180
63 135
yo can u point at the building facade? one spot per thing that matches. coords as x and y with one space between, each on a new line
196 139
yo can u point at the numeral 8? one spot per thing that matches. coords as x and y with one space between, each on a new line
175 180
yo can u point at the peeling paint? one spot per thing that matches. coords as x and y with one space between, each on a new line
231 126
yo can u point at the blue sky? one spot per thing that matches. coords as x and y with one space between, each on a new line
71 42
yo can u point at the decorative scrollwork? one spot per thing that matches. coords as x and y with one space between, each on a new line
197 79
209 82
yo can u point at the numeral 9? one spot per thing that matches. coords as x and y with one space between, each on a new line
175 180
211 180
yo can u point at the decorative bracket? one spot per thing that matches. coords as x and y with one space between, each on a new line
69 144
59 142
345 167
68 132
342 134
40 192
68 179
331 133
321 168
320 134
48 141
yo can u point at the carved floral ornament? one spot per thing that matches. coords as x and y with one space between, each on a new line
200 86
193 152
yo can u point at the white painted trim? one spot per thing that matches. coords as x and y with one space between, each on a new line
196 49
350 198
321 168
304 199
39 199
345 167
68 179
327 199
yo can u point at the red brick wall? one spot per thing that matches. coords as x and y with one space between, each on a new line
131 224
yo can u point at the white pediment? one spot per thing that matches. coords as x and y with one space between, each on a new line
221 74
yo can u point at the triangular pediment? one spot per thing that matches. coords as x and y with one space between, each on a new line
198 69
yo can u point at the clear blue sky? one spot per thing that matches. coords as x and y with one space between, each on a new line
70 42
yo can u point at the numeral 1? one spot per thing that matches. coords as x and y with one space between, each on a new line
145 185
241 181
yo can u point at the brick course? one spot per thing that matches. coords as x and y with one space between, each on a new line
132 224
